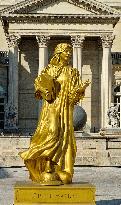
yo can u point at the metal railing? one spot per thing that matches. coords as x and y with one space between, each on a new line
116 58
4 59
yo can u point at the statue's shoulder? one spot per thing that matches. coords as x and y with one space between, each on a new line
45 69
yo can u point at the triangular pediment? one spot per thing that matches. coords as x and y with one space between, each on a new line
60 7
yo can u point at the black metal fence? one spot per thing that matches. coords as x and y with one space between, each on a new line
4 59
116 58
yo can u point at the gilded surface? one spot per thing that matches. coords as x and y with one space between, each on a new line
32 193
52 150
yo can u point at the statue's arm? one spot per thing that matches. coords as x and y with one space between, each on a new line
45 86
78 91
82 88
37 84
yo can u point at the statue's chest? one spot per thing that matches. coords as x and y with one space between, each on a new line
64 78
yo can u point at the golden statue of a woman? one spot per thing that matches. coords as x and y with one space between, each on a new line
51 155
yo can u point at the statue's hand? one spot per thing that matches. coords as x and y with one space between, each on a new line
86 84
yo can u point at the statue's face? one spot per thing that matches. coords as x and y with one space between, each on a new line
66 55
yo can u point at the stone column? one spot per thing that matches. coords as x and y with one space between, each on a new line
43 51
77 42
100 52
43 57
11 114
106 78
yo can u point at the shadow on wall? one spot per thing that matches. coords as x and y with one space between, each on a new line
109 202
28 71
14 172
3 173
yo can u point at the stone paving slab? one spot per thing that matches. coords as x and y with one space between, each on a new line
106 179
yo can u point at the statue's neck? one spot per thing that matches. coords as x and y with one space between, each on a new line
63 63
58 69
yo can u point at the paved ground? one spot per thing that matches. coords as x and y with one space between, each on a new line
106 179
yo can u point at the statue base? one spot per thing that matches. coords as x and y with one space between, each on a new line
30 193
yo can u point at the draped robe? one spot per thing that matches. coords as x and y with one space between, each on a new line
54 137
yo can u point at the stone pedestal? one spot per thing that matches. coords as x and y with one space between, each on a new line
27 193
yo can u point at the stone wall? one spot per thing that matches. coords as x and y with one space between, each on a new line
96 150
3 42
116 4
93 150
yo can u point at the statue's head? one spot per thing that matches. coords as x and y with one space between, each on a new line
62 53
62 47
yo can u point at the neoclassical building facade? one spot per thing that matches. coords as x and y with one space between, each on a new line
32 29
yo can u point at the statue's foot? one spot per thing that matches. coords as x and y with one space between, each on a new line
65 177
50 178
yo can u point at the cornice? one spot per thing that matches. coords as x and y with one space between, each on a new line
61 18
48 34
90 5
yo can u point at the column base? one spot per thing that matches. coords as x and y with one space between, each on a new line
29 193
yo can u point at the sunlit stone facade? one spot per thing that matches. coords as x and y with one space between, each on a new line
29 33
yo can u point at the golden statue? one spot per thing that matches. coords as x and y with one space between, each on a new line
51 155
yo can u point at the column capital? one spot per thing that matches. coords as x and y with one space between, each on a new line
77 41
42 40
13 40
107 40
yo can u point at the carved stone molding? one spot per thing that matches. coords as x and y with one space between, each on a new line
48 33
90 5
116 84
117 67
77 41
60 18
113 116
13 40
107 40
42 40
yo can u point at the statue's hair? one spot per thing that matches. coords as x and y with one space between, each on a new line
60 48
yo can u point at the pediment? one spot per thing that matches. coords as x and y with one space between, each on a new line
60 7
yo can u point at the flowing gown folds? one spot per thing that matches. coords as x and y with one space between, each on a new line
54 137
